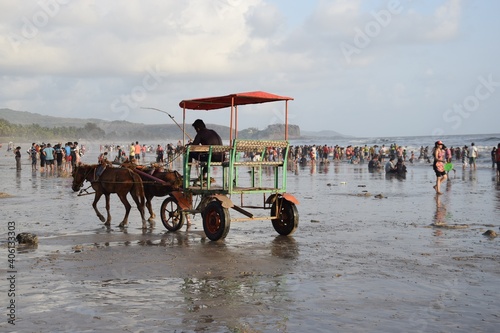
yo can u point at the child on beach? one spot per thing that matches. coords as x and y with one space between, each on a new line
412 157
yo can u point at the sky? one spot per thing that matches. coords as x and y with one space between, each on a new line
364 68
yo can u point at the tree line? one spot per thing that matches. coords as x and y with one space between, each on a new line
33 132
92 132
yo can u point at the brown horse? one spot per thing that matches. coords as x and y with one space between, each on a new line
157 183
113 180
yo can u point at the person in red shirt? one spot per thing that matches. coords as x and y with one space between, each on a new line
159 154
325 153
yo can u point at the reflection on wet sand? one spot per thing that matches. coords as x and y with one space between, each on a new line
440 213
18 179
169 239
206 286
244 290
285 247
497 195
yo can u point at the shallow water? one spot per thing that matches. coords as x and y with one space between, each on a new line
356 263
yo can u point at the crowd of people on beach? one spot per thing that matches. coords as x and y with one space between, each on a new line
138 153
51 158
376 156
392 158
354 154
45 157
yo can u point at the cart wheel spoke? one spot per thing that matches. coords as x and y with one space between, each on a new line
171 215
287 217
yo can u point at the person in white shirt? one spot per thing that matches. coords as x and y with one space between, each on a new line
390 167
473 154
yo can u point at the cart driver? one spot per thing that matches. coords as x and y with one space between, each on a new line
205 136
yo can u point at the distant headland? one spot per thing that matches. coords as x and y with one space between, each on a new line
17 125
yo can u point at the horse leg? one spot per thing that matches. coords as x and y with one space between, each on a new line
123 199
94 205
108 219
141 210
150 208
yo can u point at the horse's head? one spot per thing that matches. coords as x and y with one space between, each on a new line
175 178
79 174
129 164
171 177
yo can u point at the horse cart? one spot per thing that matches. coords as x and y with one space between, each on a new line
249 178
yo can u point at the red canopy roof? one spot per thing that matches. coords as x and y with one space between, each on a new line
219 102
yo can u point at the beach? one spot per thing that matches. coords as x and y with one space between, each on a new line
371 254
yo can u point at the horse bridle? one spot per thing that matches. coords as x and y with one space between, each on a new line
85 178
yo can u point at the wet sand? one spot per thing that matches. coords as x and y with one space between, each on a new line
357 262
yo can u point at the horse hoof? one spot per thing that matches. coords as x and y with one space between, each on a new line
102 219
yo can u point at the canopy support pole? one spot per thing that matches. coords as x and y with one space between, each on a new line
184 125
231 121
236 122
286 120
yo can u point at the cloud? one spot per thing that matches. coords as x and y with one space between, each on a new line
95 58
394 23
264 20
446 21
116 37
334 18
19 88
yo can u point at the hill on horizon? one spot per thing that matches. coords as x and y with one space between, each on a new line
324 134
125 129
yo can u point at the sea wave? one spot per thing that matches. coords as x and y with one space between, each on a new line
494 139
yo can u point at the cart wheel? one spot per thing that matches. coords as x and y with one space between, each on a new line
287 219
171 215
215 221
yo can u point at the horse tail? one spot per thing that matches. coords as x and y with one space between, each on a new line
138 187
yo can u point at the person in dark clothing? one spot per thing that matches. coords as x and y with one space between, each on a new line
17 153
401 168
205 136
42 157
59 155
374 164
